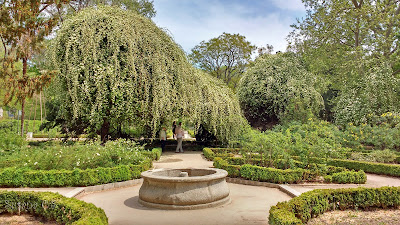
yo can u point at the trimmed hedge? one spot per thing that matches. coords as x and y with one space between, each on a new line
272 175
301 209
369 167
210 153
16 177
296 175
52 206
346 177
154 154
233 170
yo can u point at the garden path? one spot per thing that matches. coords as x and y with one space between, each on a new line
250 204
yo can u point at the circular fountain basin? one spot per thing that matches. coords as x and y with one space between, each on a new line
184 188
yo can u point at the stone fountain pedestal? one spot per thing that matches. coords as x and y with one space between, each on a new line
184 188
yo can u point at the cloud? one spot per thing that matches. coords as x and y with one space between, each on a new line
292 5
191 22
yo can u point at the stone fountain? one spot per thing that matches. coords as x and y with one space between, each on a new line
184 188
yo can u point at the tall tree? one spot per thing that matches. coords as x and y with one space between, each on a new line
339 38
225 57
22 32
143 7
117 67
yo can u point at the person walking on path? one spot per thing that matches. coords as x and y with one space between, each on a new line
173 130
179 137
163 138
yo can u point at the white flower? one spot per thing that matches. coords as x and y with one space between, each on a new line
97 154
35 163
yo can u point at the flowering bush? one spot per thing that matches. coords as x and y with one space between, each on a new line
92 155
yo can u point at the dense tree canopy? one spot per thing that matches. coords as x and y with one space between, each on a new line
278 88
117 67
339 38
225 57
22 33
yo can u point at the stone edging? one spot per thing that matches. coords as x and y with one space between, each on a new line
284 188
104 187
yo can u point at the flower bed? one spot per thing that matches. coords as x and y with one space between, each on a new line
313 203
52 206
76 166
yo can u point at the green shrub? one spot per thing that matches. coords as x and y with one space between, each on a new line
369 167
23 177
233 170
271 174
208 153
347 177
52 206
384 156
361 98
278 88
313 203
154 154
77 156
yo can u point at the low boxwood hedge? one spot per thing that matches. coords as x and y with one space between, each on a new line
52 206
346 177
301 209
272 175
233 170
17 177
333 174
210 153
369 167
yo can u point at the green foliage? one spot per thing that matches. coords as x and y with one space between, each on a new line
233 170
369 167
52 206
373 94
23 177
278 88
210 153
225 57
347 177
118 68
90 155
313 203
271 175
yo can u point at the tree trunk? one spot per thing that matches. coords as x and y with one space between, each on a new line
34 117
41 110
24 69
104 131
22 116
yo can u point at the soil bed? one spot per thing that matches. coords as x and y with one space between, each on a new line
24 219
381 216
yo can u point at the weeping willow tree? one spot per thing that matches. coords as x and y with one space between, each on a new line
117 67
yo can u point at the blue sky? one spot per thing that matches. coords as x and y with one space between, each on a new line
261 21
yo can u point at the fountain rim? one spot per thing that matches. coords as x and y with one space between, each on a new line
219 174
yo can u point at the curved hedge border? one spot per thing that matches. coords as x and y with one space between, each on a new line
21 177
52 206
280 176
301 209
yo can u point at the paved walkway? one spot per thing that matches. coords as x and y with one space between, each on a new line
250 204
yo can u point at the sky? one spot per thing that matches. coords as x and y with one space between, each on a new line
261 21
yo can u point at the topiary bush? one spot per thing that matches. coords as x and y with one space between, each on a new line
277 88
52 206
